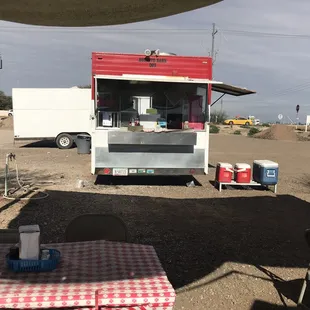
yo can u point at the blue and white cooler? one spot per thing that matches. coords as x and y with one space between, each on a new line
265 172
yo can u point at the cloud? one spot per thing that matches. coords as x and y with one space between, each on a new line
274 66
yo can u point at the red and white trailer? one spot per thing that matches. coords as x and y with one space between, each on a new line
152 88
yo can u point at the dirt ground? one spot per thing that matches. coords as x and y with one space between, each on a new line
238 249
274 132
230 130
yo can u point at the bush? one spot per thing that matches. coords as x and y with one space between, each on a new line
237 132
253 131
266 125
218 117
214 129
245 126
5 101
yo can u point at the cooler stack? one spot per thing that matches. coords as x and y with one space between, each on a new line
265 172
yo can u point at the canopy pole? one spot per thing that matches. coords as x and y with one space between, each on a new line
207 106
219 98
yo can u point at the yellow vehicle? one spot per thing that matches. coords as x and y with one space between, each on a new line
238 121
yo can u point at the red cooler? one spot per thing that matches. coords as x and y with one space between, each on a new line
243 173
224 172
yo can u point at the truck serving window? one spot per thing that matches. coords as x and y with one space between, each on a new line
120 102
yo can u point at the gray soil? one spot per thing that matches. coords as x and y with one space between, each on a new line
239 249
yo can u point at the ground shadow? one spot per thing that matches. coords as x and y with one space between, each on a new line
147 180
40 144
262 305
192 237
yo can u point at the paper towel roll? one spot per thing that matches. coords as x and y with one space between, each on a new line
29 242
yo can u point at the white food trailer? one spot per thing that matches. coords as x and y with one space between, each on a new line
129 90
57 114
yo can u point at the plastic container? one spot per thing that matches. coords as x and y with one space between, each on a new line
25 265
224 172
265 172
83 143
243 173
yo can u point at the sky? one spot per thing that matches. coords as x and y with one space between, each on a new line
261 47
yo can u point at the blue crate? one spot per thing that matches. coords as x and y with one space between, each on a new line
29 265
265 172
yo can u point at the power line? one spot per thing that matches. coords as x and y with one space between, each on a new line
155 30
265 34
288 91
304 82
284 92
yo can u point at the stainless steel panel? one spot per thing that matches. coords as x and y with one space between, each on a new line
104 158
152 138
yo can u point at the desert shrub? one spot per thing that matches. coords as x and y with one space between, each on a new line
214 129
245 126
253 131
5 101
218 117
265 125
237 132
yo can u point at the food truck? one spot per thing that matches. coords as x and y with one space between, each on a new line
150 113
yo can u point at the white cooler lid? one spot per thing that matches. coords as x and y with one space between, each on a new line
225 165
242 166
266 163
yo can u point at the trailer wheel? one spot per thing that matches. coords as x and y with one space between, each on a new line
64 141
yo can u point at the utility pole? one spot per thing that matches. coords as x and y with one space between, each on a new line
213 54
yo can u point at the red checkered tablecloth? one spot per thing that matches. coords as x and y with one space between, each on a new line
111 274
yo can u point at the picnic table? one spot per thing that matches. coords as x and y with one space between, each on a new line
96 274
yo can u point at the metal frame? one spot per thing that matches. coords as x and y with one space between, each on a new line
151 78
303 289
307 277
252 183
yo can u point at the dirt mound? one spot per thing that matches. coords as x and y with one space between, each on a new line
6 123
278 132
